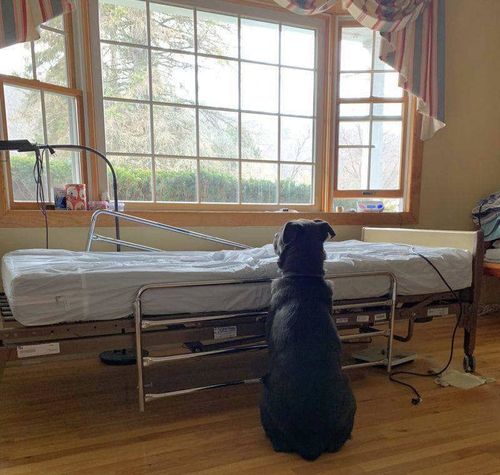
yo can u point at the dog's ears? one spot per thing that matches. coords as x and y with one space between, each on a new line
290 232
326 230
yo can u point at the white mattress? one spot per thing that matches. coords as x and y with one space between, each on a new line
52 286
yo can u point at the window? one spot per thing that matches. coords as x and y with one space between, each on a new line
210 107
371 127
39 103
220 105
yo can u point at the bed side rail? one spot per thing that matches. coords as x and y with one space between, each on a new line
467 240
93 236
142 322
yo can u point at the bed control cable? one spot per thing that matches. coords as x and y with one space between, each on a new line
417 399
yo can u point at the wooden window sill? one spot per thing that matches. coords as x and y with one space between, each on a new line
34 219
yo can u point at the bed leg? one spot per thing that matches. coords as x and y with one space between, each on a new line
469 346
3 364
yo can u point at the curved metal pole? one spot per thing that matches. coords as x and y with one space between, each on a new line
52 148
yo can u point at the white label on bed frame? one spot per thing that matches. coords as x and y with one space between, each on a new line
342 320
225 332
28 351
363 318
380 316
437 311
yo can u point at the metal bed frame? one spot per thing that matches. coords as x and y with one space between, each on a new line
144 331
142 323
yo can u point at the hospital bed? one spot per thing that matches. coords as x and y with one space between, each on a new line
215 303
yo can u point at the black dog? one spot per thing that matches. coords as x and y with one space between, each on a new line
307 405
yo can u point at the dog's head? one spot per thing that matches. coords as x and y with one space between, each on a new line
299 245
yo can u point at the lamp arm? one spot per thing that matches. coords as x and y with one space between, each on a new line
51 148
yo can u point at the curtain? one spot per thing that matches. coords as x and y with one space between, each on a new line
306 7
413 38
19 19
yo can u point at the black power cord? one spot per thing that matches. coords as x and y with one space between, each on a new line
40 191
417 399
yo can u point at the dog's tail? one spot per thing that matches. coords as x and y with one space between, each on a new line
309 449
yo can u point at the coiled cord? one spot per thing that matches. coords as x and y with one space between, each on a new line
417 399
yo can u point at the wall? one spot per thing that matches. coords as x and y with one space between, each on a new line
461 164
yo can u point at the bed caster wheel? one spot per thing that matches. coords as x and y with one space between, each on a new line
469 363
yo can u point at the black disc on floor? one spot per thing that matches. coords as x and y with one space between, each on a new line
123 357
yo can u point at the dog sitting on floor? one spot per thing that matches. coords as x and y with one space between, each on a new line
307 405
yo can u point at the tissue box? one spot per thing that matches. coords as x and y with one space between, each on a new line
76 196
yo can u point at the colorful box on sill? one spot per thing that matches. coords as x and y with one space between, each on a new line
95 205
59 198
76 196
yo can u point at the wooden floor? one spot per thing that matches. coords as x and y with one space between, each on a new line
81 417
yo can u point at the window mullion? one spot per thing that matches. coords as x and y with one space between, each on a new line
48 179
240 162
151 115
197 115
278 183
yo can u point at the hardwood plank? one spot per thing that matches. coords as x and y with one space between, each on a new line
80 417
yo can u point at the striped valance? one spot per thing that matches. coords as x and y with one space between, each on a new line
19 19
413 33
306 7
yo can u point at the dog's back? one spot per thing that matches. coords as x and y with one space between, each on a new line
307 406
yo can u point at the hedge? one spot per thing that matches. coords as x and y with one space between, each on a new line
178 185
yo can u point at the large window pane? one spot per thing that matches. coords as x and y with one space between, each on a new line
354 85
16 60
352 169
258 182
124 71
217 34
50 58
134 175
354 110
386 155
259 87
296 185
297 92
259 136
259 41
61 120
356 49
297 47
174 77
171 27
23 184
175 180
297 139
218 181
386 85
64 169
388 109
24 114
218 134
174 130
218 82
123 21
354 133
127 127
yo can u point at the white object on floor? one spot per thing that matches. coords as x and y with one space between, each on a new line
53 286
377 353
459 379
492 255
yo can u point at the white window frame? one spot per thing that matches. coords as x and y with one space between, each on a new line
264 13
